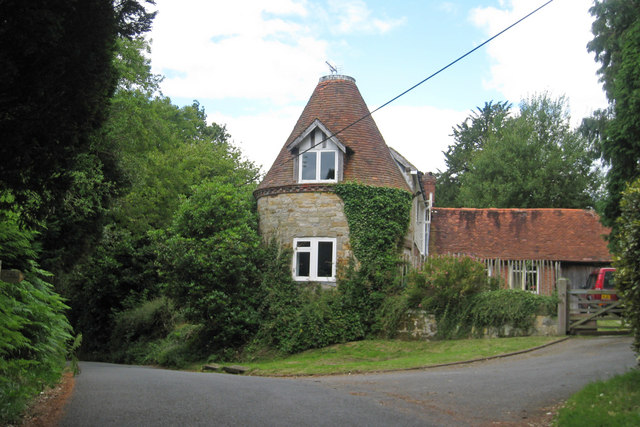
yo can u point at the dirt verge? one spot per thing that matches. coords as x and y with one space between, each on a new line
47 409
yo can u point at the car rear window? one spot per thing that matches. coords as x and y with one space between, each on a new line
609 282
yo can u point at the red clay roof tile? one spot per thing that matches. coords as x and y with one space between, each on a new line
551 234
337 103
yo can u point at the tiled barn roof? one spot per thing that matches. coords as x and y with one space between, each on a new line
551 234
336 102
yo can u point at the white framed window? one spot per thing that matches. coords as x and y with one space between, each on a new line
319 155
314 259
524 275
318 166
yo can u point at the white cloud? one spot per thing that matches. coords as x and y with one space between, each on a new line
545 52
250 49
243 49
354 16
261 136
262 52
420 134
449 7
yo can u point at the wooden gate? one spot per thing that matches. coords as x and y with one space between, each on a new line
592 312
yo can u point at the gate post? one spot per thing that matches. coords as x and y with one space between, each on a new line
563 306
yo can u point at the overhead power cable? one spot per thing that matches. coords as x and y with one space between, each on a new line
460 58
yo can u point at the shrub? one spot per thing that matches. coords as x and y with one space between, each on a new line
509 307
444 287
297 317
445 282
322 321
627 258
280 304
136 327
178 349
390 314
209 261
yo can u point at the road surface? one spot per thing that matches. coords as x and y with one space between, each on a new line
510 391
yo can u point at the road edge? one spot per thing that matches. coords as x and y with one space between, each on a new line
417 368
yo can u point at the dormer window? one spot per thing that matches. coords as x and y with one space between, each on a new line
318 166
319 155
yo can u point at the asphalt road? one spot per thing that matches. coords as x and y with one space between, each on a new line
512 390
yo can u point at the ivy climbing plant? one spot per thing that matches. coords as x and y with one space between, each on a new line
378 219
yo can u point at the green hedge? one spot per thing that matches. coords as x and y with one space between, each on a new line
510 307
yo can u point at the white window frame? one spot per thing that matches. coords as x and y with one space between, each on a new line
523 270
318 166
313 267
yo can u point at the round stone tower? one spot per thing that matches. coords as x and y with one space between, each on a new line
334 140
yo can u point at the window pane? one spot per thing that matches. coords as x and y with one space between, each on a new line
303 244
309 166
327 165
303 262
532 279
608 280
325 259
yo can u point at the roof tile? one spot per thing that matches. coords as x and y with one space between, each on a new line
337 103
552 234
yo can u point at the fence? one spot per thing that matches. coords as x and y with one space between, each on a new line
587 311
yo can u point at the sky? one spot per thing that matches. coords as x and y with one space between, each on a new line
253 64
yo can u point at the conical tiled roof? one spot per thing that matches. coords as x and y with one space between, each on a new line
336 102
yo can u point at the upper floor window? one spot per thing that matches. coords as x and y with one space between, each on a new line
320 155
318 165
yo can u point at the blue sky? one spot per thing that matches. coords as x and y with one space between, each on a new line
253 64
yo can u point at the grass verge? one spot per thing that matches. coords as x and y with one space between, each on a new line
615 402
382 355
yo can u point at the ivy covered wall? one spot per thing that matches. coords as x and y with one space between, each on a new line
378 219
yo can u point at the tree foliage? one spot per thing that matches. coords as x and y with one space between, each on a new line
209 261
55 84
532 160
163 151
616 45
33 327
470 137
627 260
56 173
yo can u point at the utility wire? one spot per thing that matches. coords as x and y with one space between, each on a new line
428 78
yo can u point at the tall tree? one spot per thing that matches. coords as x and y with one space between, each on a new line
616 44
470 137
535 161
163 152
55 84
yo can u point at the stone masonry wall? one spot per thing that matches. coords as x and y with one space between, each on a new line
417 325
312 214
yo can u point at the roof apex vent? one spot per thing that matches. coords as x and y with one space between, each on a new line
337 77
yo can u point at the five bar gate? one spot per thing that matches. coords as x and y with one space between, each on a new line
586 311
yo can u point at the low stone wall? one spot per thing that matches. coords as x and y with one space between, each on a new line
542 326
419 325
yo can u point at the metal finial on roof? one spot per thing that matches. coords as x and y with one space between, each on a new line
333 69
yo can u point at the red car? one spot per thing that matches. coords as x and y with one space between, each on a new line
601 278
